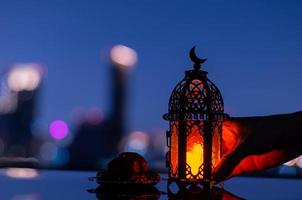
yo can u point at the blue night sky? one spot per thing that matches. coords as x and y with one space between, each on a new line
254 51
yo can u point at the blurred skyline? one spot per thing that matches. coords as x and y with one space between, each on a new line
253 48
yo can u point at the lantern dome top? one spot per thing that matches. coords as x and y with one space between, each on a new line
195 97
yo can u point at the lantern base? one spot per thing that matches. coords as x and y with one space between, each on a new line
181 188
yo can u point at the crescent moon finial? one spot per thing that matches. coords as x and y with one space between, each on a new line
197 61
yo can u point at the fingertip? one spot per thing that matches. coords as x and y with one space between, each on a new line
225 166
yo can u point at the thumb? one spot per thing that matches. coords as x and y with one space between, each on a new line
227 163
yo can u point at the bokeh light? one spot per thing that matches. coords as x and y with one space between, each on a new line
39 128
94 115
158 142
123 56
48 152
62 157
8 102
26 197
8 99
77 115
58 129
137 141
22 173
24 77
51 154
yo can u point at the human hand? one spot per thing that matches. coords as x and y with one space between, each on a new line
256 143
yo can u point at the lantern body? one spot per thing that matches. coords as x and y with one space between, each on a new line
195 116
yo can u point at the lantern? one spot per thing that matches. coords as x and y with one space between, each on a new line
195 117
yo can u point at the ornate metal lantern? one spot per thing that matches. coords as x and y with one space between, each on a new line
196 113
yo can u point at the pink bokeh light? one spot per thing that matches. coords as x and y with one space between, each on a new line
58 129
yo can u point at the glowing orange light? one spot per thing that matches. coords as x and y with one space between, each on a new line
194 152
230 136
195 158
216 148
174 150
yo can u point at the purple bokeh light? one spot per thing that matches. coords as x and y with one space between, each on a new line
58 129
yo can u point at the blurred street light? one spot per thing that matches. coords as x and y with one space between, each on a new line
122 56
24 77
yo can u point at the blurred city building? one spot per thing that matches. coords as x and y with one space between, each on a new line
97 140
18 100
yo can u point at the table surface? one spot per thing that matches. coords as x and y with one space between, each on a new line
52 184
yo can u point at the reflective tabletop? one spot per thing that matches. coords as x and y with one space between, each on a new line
29 184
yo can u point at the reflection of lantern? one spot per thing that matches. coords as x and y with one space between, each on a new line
195 137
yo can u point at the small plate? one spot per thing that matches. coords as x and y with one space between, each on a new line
122 193
123 183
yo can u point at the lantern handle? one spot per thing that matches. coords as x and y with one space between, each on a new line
197 61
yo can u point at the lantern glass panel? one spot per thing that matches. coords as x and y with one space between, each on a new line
194 151
195 93
216 144
174 149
